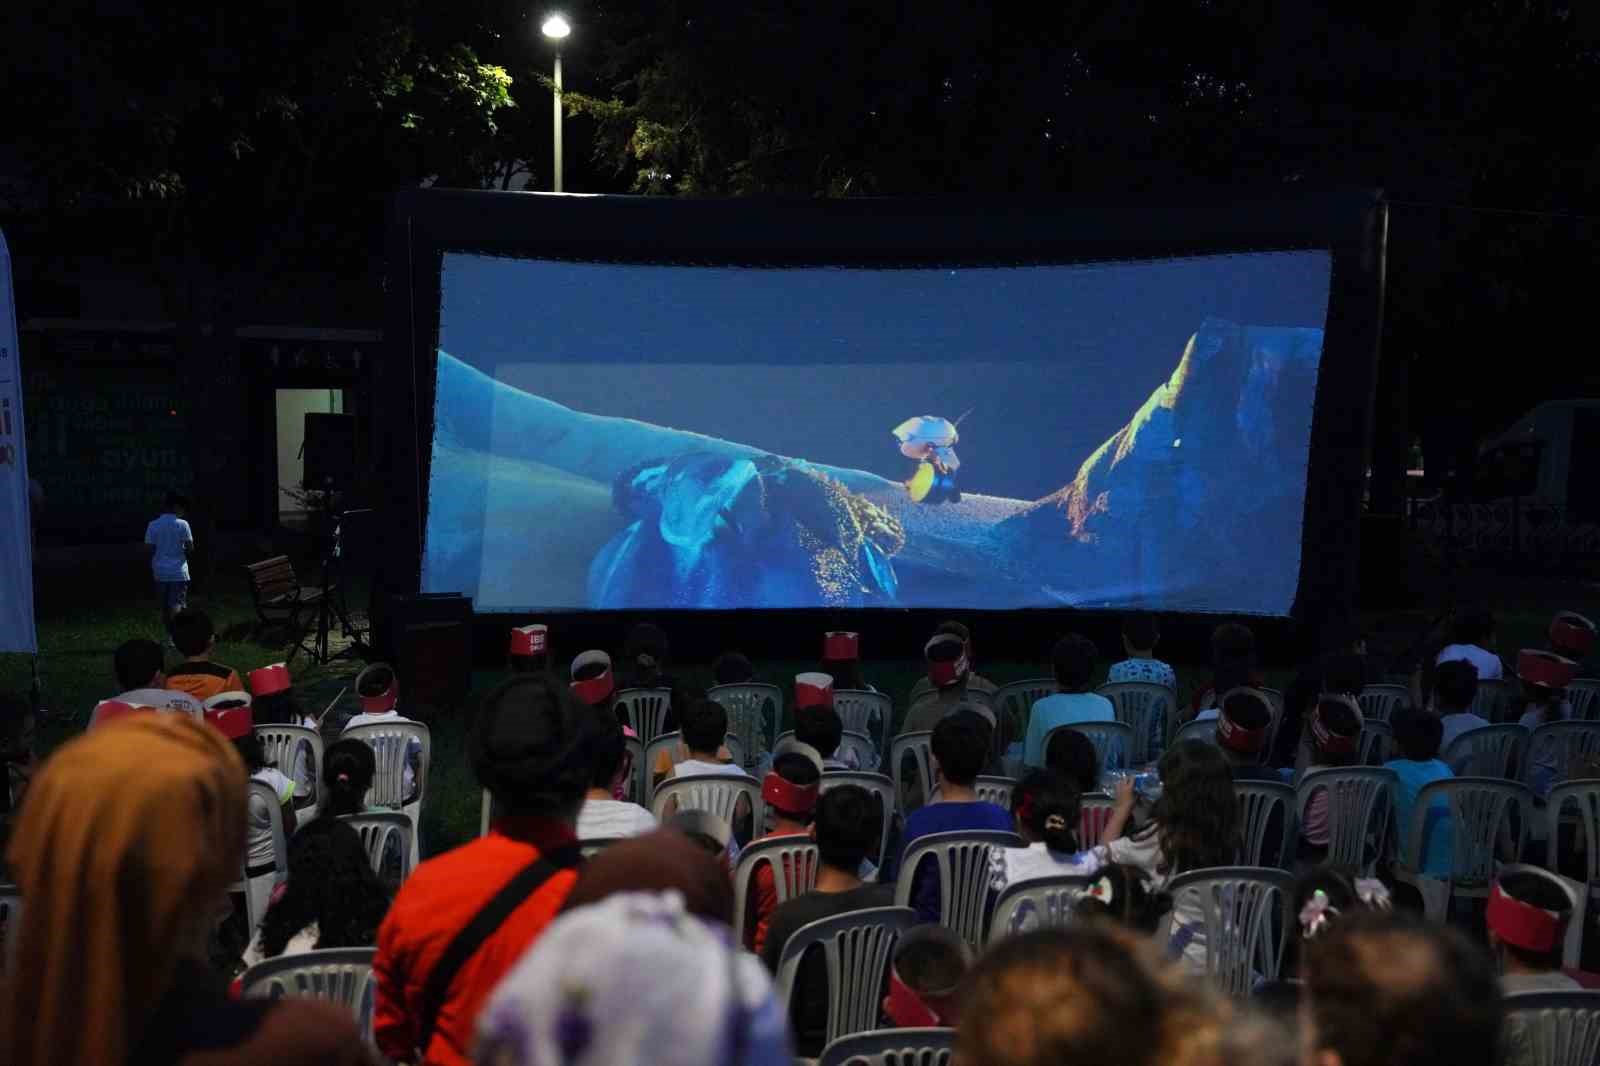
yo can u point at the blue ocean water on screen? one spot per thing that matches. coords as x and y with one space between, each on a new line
643 437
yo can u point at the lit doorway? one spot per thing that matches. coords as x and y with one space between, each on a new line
292 407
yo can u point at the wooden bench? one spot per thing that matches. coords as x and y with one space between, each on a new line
278 593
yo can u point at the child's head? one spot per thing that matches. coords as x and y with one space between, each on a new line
1072 753
946 656
841 659
1140 634
378 689
1417 733
606 746
820 727
645 651
1335 731
177 503
1244 725
1044 805
193 632
139 663
925 977
1073 660
958 630
1197 817
592 680
1527 920
348 767
733 668
1455 686
1572 635
846 827
1474 624
704 726
1329 893
792 785
1545 677
1122 894
960 744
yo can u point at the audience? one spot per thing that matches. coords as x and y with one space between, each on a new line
1572 636
378 692
1244 728
603 816
1385 990
124 852
925 977
348 767
229 714
529 650
949 672
790 791
1416 738
140 666
1072 753
705 726
1472 637
1233 665
592 680
1073 658
1545 677
1140 634
1044 813
526 747
332 898
1527 921
1455 690
822 728
664 860
972 682
1343 668
197 675
1333 739
841 660
1122 894
606 984
845 836
960 746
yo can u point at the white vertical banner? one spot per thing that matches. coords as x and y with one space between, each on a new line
16 540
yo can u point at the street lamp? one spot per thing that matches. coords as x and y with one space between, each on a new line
557 29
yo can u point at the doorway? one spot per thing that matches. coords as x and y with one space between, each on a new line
292 407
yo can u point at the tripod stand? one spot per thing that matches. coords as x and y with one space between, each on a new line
331 606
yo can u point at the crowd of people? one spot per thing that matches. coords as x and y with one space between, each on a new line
132 847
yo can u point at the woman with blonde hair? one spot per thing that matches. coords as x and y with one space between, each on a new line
124 853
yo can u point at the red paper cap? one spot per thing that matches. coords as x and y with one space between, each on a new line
1522 924
812 690
383 702
838 646
230 714
907 1009
948 672
778 791
1235 737
530 640
1572 633
910 1008
1545 668
110 710
597 689
269 680
1328 742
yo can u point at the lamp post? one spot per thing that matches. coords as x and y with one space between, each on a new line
556 28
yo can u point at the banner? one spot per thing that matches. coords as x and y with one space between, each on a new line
16 540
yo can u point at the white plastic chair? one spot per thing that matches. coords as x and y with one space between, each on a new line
390 743
258 890
1481 814
1146 708
1378 702
1113 742
379 830
919 747
338 975
645 709
881 786
995 790
891 1047
961 863
1563 1028
1585 795
1040 903
1583 695
284 746
794 861
666 742
754 711
1566 741
1360 799
1259 803
1487 751
1245 910
851 743
856 949
1377 742
1202 729
718 794
1577 894
1013 706
857 708
1493 701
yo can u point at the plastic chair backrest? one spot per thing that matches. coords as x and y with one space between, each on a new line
666 742
891 1047
881 786
378 830
856 949
794 865
919 747
258 889
1493 701
962 861
1567 741
1113 742
754 711
716 793
282 745
1479 808
1259 803
851 744
1246 916
1583 695
1144 707
1360 799
1094 811
995 790
1274 700
339 975
857 708
633 789
1040 903
1200 729
1013 706
1488 751
1577 894
1563 1028
1585 795
1377 742
645 709
1378 702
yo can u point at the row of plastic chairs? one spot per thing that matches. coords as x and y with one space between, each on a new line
1494 703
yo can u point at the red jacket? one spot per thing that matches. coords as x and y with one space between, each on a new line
436 902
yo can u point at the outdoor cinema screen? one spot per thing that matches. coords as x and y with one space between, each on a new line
1124 434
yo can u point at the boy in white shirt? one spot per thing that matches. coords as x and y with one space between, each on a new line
378 691
170 541
1471 640
1455 687
704 727
602 816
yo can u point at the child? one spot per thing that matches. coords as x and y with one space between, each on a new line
529 652
927 686
1044 812
592 680
705 726
378 690
1073 754
171 541
1333 738
1233 665
841 660
273 703
140 667
1244 726
1073 658
1455 689
1527 921
1545 677
1472 636
949 671
332 898
197 675
925 978
229 713
1416 735
790 791
348 767
1140 633
603 816
1122 894
1193 825
822 729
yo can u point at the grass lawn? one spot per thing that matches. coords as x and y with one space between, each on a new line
84 615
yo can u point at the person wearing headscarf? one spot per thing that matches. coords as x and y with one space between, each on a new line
607 983
123 854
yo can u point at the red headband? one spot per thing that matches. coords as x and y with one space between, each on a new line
231 722
594 690
1328 742
812 690
948 672
780 792
1235 737
1572 632
1520 924
382 702
906 1008
1545 668
838 646
270 680
530 640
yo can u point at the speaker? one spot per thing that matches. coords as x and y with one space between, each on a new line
331 451
428 638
